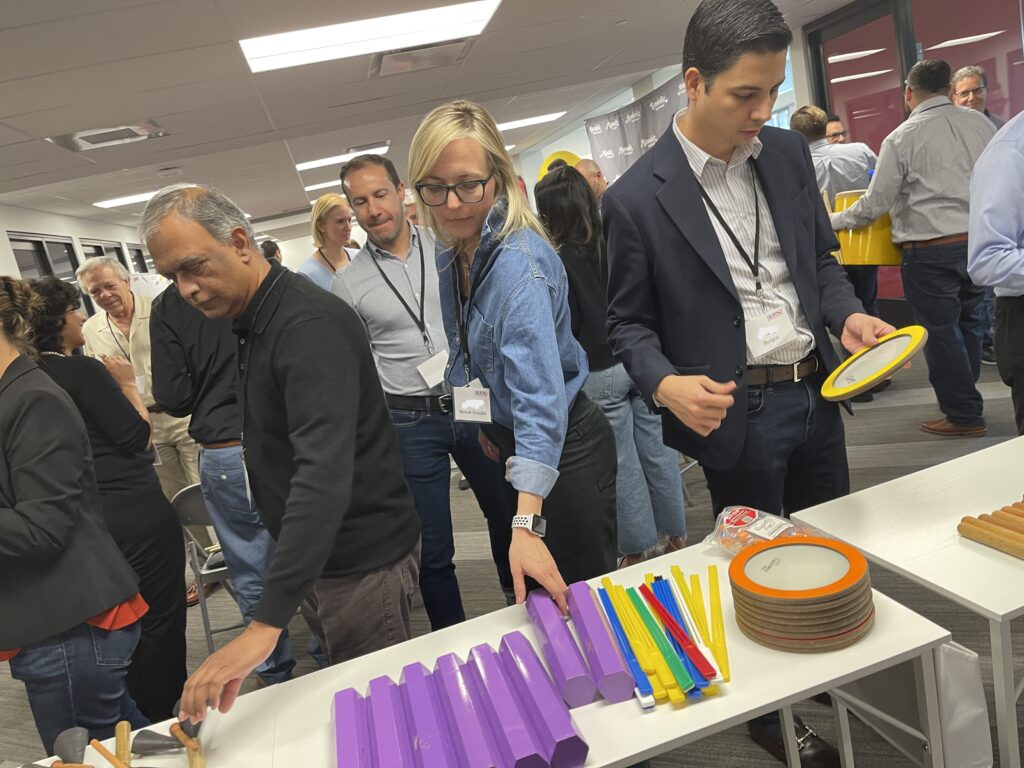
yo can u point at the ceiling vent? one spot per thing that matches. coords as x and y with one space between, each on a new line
425 57
98 138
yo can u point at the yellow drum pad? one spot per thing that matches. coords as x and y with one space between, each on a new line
870 366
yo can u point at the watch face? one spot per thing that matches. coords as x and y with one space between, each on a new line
540 525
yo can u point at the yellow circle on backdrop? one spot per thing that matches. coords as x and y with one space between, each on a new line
869 366
570 157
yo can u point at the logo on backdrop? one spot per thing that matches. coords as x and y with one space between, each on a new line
607 154
626 150
633 116
612 124
595 129
658 103
648 142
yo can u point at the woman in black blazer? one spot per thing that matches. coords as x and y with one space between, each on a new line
139 517
68 600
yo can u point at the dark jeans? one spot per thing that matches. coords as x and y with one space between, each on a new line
948 305
77 678
426 439
865 286
1009 344
580 509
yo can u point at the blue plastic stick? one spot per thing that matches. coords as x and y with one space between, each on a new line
643 685
663 591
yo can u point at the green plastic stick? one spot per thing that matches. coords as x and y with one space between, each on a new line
674 664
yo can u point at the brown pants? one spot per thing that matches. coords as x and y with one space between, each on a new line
355 615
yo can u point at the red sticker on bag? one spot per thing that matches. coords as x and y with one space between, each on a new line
739 517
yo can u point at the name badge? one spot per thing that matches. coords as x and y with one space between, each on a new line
432 369
769 331
472 404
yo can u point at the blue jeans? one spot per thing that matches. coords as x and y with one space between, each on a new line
947 304
248 547
77 678
649 490
426 439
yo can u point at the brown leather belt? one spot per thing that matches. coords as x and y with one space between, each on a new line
766 375
222 444
154 409
948 240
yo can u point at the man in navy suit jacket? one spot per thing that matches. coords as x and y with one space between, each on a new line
722 287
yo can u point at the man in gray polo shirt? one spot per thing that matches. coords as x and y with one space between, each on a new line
393 286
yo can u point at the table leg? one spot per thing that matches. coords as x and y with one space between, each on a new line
844 738
1006 694
789 737
928 706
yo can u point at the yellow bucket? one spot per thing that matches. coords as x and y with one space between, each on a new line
868 245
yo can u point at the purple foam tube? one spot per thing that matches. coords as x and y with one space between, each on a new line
469 740
568 670
606 664
431 742
351 730
506 719
389 733
547 714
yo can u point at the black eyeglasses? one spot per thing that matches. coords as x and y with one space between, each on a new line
471 191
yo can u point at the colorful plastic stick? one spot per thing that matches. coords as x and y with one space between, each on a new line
390 740
698 606
639 641
570 673
671 626
467 726
718 645
431 741
546 713
675 666
663 592
689 603
606 665
351 730
644 691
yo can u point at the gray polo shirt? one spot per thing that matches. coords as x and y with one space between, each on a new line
397 344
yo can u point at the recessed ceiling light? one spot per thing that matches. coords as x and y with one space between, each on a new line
117 202
964 40
366 36
509 147
381 149
323 185
861 76
529 121
853 55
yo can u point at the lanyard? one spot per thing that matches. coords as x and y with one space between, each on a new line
464 309
755 264
118 341
422 326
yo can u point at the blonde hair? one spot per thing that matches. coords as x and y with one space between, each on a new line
461 119
321 208
20 308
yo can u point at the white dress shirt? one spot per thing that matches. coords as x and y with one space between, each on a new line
842 167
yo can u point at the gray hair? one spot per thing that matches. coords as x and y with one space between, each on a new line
972 71
207 206
99 262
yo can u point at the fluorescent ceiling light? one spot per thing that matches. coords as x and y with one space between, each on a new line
323 185
861 76
366 36
853 55
964 40
117 202
529 121
339 159
509 147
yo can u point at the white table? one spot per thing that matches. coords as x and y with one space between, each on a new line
289 725
909 526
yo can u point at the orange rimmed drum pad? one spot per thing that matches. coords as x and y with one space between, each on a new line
799 570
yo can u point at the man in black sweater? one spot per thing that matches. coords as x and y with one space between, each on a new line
320 449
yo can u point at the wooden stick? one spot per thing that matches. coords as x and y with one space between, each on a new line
186 741
62 764
106 754
123 742
1013 511
1005 520
993 536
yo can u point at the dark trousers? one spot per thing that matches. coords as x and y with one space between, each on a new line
1009 344
580 509
426 439
147 531
948 305
864 280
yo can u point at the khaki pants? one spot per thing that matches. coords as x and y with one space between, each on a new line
179 462
355 615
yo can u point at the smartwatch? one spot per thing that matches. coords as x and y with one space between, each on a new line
536 524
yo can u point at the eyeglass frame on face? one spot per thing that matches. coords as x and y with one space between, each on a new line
449 188
981 90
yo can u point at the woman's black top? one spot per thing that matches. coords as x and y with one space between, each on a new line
118 434
588 304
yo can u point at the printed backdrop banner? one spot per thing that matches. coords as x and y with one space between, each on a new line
618 138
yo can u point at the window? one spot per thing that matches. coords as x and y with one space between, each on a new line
43 255
31 258
93 248
143 261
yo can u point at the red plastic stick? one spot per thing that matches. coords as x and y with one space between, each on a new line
691 650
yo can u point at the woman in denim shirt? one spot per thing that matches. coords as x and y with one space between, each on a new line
557 447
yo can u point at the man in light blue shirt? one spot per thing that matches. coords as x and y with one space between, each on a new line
996 249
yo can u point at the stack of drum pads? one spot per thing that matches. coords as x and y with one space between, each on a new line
802 594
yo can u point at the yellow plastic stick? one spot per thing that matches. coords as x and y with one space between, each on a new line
691 604
698 606
718 645
636 638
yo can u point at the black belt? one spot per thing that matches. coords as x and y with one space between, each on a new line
434 403
154 409
766 375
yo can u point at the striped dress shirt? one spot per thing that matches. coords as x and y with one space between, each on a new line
731 187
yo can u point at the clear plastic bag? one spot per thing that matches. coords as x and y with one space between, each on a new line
738 527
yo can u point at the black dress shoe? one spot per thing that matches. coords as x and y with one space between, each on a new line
815 752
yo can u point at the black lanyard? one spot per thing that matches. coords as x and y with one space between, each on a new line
464 308
755 264
117 341
423 284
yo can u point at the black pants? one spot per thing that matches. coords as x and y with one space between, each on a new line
580 510
1009 344
148 533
